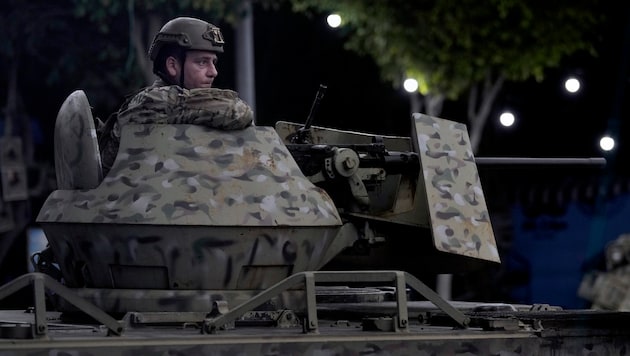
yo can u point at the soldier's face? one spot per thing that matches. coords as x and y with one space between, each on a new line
199 69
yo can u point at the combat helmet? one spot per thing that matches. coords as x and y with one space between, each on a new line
189 34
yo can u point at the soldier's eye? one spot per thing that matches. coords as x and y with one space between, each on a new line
202 62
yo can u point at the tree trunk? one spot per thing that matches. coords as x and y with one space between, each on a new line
10 112
19 209
142 32
478 116
245 68
433 104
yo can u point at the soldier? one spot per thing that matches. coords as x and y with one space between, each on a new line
184 55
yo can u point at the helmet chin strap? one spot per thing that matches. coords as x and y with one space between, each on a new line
182 59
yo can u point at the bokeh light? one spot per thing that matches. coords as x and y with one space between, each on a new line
333 20
410 85
507 119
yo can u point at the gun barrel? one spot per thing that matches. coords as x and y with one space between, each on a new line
318 98
591 161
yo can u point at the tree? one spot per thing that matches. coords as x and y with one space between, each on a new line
27 27
146 17
48 51
454 47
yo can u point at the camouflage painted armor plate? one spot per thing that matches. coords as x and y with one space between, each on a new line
192 175
188 207
459 215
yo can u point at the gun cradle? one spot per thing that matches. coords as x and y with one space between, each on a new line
427 181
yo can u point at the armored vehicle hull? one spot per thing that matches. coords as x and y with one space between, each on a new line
200 241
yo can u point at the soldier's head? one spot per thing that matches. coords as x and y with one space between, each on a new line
185 51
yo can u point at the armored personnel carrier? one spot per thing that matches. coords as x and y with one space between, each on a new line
284 240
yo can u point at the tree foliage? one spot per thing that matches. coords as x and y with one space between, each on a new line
451 44
38 48
451 47
38 31
98 45
137 22
454 47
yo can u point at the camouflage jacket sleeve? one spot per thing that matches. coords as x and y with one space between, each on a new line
212 107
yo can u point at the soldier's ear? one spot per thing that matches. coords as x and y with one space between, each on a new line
172 66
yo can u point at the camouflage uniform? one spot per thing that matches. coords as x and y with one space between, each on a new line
172 104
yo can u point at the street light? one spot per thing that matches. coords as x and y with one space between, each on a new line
333 20
507 119
607 143
410 85
572 85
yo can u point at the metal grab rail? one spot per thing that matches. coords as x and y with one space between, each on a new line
41 282
309 279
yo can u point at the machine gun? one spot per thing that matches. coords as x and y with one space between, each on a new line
364 166
301 136
327 156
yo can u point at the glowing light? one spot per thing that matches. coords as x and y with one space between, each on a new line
410 85
572 85
333 20
507 119
607 143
